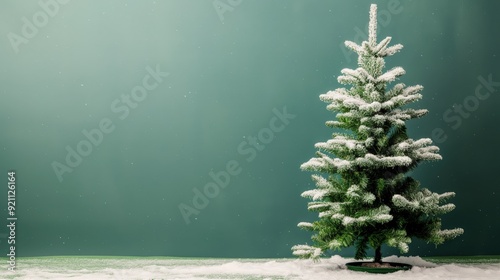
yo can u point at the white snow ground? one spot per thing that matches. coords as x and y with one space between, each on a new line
257 269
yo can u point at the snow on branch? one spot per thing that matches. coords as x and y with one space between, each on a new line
424 201
418 150
412 90
378 120
338 216
337 124
398 117
450 233
390 75
414 113
396 90
445 196
357 76
368 198
427 153
315 164
363 129
372 26
323 163
382 45
353 191
326 208
379 215
305 225
390 50
401 100
341 99
315 194
371 160
332 94
445 208
400 241
353 46
379 50
405 114
321 182
353 113
411 145
327 213
402 202
439 236
373 107
341 143
400 96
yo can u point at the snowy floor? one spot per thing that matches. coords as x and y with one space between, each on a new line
257 269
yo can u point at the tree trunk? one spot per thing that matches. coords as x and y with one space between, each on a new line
378 254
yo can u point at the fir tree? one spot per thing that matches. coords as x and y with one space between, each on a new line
363 196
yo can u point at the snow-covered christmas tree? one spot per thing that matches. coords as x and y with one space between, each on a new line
362 194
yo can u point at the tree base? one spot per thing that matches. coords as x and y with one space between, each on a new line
375 267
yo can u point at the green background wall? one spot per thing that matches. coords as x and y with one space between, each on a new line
229 73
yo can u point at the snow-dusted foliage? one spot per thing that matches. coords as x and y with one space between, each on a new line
363 197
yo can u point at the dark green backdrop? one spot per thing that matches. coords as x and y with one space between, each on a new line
241 95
